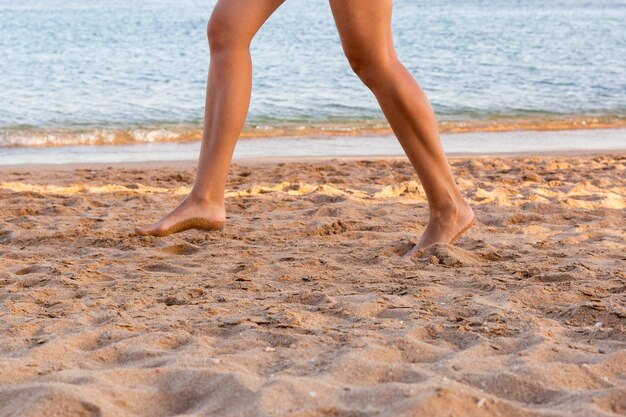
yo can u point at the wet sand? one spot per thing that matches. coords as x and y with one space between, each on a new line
304 304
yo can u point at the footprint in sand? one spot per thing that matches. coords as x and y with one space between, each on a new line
557 276
181 249
165 267
33 269
5 236
458 401
50 399
513 388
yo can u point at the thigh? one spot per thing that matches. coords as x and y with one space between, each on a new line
364 26
240 19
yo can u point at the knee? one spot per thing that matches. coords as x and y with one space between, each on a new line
222 34
372 69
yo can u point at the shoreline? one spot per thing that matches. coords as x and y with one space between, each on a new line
457 144
33 137
255 161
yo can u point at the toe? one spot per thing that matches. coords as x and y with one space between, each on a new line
144 231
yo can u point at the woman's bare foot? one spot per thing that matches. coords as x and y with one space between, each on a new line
446 226
190 214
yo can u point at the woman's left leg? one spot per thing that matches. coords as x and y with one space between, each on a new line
365 30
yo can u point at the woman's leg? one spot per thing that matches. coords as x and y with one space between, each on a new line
231 28
365 30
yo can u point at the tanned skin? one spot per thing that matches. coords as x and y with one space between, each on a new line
364 27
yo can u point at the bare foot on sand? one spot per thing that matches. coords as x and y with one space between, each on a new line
446 227
190 214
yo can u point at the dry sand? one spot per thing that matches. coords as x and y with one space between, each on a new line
304 305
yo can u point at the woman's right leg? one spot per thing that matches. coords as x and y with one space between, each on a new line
231 28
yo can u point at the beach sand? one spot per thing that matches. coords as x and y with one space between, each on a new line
304 304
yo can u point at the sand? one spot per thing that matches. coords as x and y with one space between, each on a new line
304 304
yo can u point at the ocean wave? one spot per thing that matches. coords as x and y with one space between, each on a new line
32 137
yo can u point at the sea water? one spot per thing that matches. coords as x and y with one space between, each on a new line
123 71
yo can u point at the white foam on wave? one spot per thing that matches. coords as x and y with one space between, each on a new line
38 138
327 146
52 138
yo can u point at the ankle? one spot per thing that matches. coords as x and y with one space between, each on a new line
205 200
443 213
449 210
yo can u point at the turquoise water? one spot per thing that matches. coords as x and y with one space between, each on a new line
139 66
